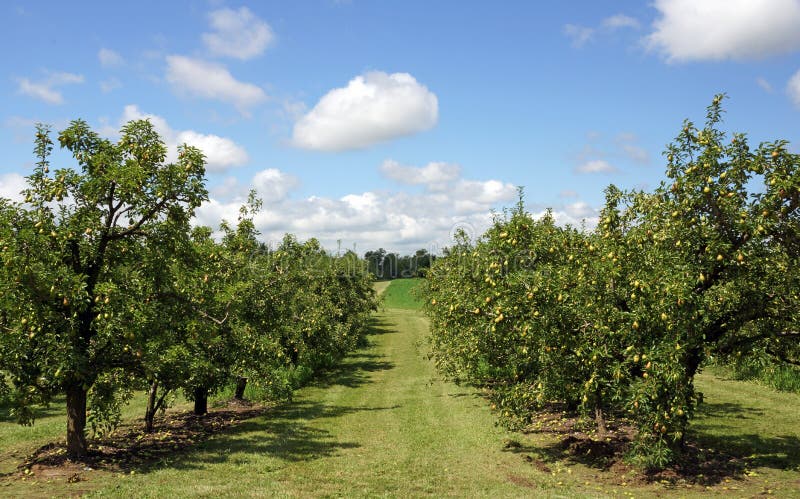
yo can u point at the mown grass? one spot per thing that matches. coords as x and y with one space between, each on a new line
380 286
402 294
752 421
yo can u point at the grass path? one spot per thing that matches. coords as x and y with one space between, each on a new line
381 424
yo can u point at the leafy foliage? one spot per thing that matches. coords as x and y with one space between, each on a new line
106 288
620 319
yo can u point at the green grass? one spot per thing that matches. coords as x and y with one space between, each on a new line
751 420
383 424
378 425
401 294
380 286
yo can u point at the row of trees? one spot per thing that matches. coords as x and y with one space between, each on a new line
106 288
619 320
383 265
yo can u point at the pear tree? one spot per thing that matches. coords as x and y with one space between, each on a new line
70 282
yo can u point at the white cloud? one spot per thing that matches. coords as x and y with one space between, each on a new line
109 85
109 58
793 88
208 80
213 211
691 30
221 153
45 89
596 166
11 186
372 108
578 34
228 188
132 112
397 220
432 174
619 21
484 192
562 217
237 33
765 85
274 185
579 210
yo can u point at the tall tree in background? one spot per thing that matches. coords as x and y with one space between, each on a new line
375 261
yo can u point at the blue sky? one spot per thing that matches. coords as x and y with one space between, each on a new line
390 123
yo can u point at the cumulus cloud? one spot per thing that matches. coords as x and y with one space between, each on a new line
398 220
109 58
237 33
208 80
793 89
580 210
46 89
372 108
688 30
11 186
221 153
596 166
433 174
568 215
274 185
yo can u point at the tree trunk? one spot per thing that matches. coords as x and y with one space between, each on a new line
150 412
200 401
241 384
76 422
600 419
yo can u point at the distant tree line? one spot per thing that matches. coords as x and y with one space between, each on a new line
384 265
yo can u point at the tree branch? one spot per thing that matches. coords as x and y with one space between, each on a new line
145 218
726 349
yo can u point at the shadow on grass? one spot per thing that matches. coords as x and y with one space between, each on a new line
184 441
356 370
770 451
282 433
714 451
55 408
378 326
